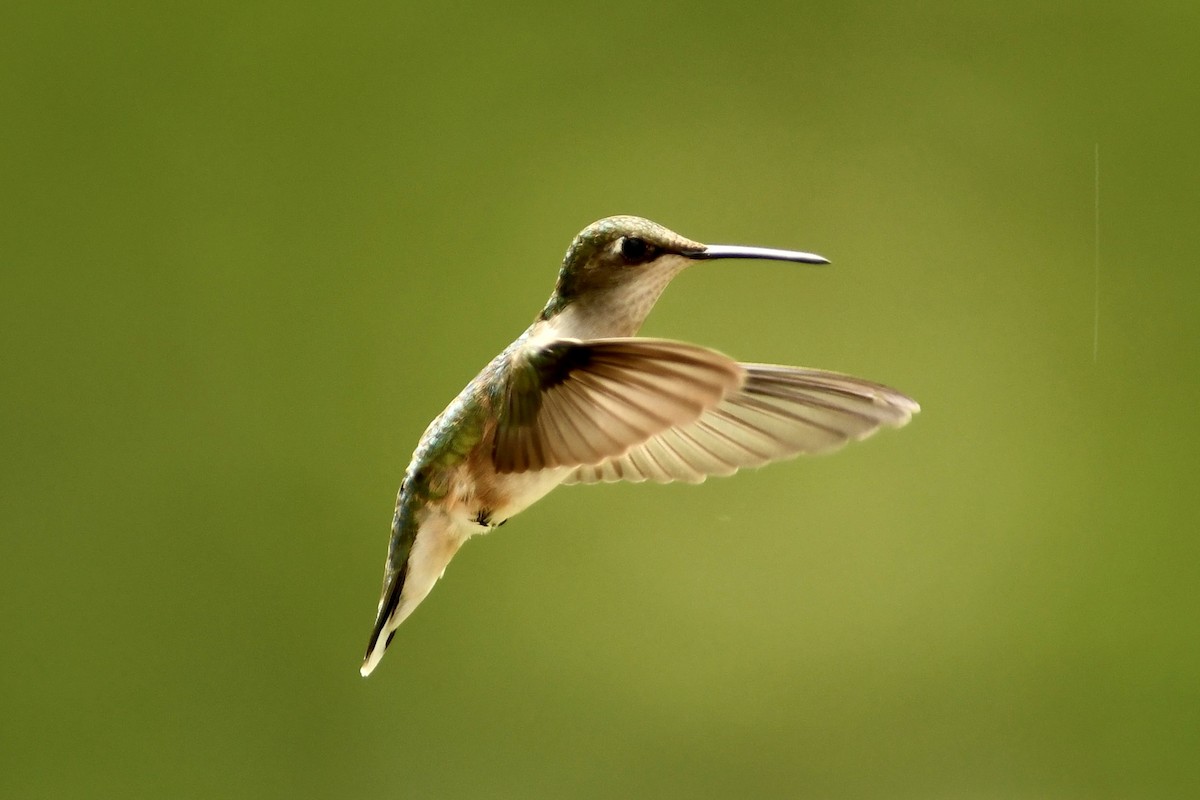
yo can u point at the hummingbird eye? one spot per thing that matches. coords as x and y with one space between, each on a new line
633 249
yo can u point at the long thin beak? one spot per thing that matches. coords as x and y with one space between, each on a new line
738 251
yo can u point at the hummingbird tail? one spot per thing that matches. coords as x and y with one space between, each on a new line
379 641
406 584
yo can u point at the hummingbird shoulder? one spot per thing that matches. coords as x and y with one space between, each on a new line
578 399
452 466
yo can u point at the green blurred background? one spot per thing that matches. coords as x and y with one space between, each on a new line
249 251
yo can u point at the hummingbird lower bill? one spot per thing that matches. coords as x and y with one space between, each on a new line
579 398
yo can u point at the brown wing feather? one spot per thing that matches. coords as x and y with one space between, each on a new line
575 402
778 412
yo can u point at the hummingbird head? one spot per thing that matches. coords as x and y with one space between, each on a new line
617 268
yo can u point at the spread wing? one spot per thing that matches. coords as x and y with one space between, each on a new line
778 412
573 402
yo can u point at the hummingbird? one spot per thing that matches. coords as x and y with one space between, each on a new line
579 398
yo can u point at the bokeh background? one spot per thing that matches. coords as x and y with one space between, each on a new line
248 251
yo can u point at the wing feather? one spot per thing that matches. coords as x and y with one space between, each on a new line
777 412
574 403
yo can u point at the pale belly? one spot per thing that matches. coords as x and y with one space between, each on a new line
480 505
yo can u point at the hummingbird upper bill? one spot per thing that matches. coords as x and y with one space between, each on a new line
769 253
579 398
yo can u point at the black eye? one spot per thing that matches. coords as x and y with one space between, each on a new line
633 249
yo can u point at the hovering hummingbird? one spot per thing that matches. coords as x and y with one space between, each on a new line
578 399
